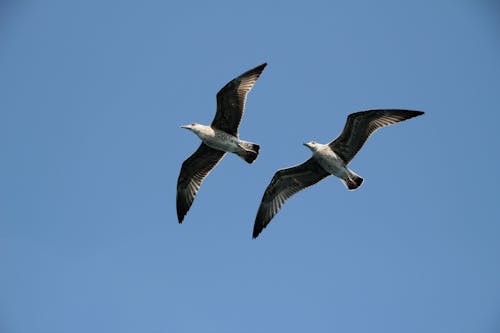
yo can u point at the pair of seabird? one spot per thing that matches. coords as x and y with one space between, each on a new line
327 159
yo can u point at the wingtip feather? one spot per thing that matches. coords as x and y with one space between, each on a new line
256 232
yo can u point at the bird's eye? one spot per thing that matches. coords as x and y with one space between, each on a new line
193 124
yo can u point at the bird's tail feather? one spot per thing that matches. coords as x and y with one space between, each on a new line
353 181
249 151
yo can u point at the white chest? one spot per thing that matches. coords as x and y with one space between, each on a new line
330 161
218 139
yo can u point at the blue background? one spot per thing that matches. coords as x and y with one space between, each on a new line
92 94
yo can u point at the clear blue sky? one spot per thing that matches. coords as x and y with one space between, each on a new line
92 94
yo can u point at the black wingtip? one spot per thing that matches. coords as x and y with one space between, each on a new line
407 114
260 68
181 212
417 112
259 225
256 232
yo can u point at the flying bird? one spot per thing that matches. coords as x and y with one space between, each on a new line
217 139
327 159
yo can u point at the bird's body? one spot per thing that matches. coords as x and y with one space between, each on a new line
334 164
327 159
219 138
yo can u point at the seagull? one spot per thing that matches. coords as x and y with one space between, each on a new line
327 159
217 139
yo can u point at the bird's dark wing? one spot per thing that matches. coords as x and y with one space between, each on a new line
231 100
285 183
193 171
361 125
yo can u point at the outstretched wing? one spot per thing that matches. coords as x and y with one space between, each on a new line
231 100
361 125
193 171
285 183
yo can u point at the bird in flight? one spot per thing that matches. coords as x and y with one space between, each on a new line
217 139
327 159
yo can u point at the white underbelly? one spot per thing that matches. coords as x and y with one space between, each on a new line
226 143
332 164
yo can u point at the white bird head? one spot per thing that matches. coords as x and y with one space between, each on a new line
192 127
189 126
313 145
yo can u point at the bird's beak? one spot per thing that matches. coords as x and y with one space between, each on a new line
186 126
305 144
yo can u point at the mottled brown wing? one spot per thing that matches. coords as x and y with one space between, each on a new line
285 183
231 100
361 125
193 171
